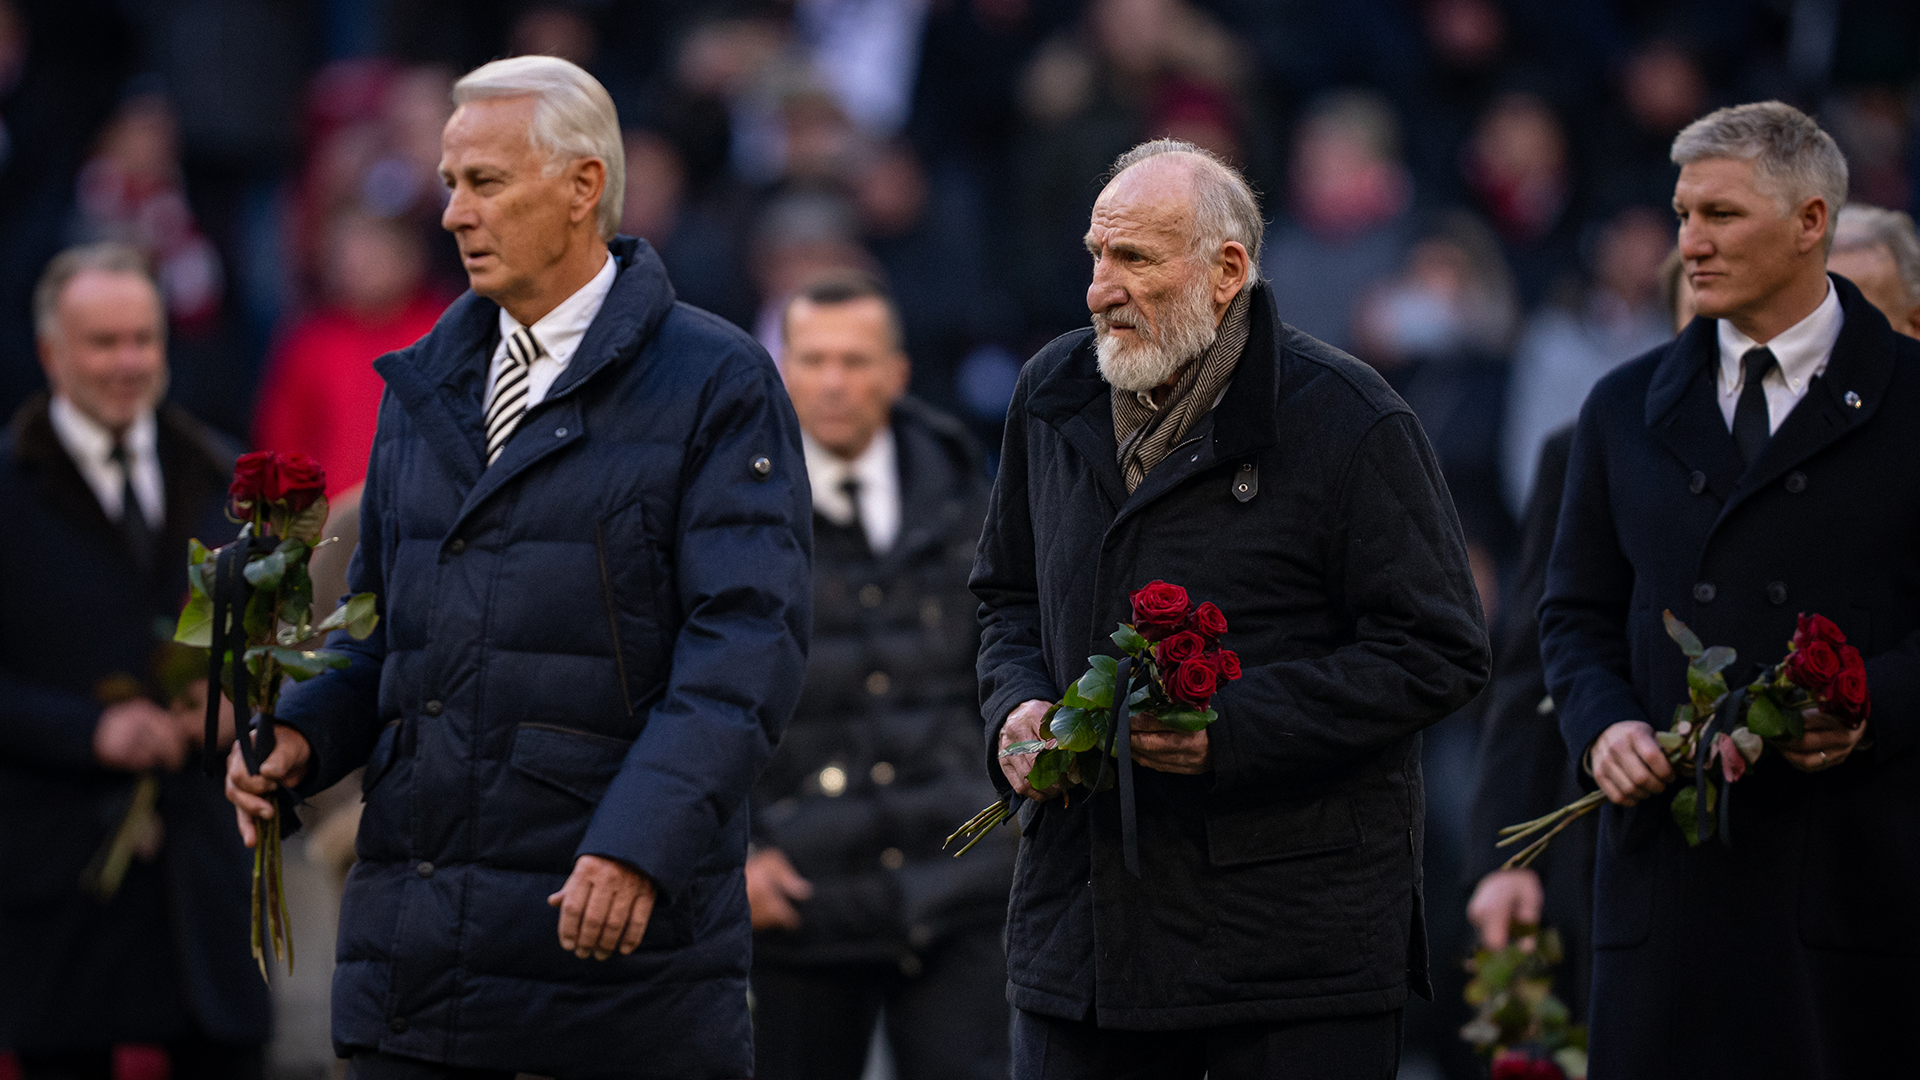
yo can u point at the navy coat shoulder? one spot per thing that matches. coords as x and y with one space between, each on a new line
1788 953
1285 884
169 952
590 647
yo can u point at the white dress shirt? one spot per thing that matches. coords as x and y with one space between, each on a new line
1802 349
90 445
558 331
877 470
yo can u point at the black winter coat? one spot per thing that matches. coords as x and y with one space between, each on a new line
892 703
1790 953
1286 883
169 952
589 648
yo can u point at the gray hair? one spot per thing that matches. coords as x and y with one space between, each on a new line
109 257
1793 159
572 118
1224 205
1864 226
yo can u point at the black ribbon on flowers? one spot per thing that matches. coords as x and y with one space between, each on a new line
231 593
1726 715
1123 746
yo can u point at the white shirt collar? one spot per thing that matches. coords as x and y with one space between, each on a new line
559 333
1802 349
878 473
90 444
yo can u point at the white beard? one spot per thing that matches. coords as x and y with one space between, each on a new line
1187 330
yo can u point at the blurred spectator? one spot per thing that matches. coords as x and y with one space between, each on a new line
554 30
320 395
1877 250
1517 166
868 52
1347 224
1873 126
1660 88
1564 349
799 237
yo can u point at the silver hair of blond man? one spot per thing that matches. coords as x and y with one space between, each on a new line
1224 205
1863 226
110 257
1793 158
572 118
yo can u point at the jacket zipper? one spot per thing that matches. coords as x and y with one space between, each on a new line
613 623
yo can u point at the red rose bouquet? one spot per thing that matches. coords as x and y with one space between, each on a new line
1519 1023
250 605
1175 666
1725 729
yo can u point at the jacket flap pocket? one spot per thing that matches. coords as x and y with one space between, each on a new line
1281 831
385 752
579 763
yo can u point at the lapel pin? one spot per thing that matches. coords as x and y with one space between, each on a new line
1853 399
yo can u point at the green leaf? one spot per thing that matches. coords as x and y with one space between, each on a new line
1105 665
1715 659
197 553
1669 740
358 617
1096 686
1765 718
259 616
195 627
302 665
1688 641
1130 641
1031 746
1685 815
197 579
1707 685
265 572
308 524
1749 744
1047 768
1076 729
1188 719
1682 714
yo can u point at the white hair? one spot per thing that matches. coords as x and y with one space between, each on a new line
1793 159
572 118
1870 226
1224 205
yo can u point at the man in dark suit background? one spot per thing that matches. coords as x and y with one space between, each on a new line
101 485
1758 466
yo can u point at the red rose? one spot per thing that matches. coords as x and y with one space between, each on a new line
1178 648
1208 619
1226 662
1847 698
1812 667
1159 609
1193 683
265 477
1812 628
1517 1066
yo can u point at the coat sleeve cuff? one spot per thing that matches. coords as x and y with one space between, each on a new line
657 823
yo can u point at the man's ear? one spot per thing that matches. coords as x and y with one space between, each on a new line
903 375
1235 267
43 347
1812 218
589 179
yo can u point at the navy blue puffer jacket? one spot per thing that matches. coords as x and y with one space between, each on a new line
589 647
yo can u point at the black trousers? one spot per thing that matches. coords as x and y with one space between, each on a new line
374 1065
1340 1048
190 1058
947 1022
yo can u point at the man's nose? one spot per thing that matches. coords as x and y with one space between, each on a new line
1105 292
459 212
1693 242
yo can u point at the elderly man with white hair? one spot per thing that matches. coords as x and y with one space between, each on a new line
588 521
1877 250
1758 467
1247 902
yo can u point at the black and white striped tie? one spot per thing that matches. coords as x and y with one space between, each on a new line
510 391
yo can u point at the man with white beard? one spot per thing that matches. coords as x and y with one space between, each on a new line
1253 908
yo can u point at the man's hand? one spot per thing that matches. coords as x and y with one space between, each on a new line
1629 764
1825 743
603 906
772 887
1158 746
137 735
251 795
190 715
1503 898
1023 725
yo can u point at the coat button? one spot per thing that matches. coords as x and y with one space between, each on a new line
425 869
911 966
457 546
1796 482
920 935
559 433
431 708
893 858
398 1025
1697 483
1776 593
762 467
879 683
882 773
1705 592
871 596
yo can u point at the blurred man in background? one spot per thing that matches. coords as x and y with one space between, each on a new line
1877 250
101 486
857 908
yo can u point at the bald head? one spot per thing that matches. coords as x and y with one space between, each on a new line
1221 204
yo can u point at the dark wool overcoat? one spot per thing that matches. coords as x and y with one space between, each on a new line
1790 953
1285 884
892 704
169 952
589 647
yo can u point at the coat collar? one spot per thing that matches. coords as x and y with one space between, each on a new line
1076 401
936 459
440 381
1683 410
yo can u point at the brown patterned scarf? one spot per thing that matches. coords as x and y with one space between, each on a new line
1146 434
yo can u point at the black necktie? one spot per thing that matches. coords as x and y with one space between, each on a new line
1751 426
851 488
133 520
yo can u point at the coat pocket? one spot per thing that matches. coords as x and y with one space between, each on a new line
579 763
380 762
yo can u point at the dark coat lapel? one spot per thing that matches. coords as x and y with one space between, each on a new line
39 450
932 498
1683 408
196 471
1074 401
